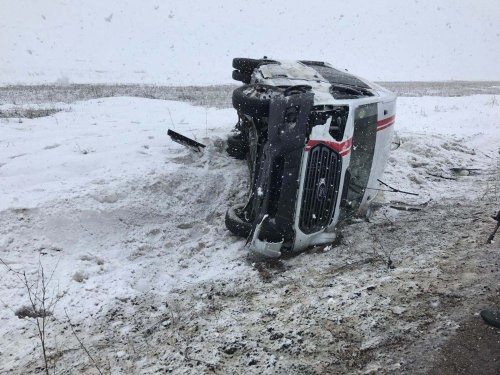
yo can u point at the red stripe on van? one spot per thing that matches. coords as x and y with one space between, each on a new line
385 123
343 148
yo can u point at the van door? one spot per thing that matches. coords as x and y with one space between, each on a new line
363 147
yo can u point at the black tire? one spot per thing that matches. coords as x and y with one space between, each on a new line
245 65
253 100
237 147
242 77
235 223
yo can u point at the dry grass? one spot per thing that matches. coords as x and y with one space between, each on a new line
218 96
29 112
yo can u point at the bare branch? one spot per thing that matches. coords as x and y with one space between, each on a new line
394 190
41 305
81 343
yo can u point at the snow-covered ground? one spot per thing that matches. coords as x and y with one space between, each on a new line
131 227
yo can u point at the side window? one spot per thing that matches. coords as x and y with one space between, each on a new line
338 116
339 121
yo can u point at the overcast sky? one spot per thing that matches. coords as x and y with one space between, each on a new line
193 42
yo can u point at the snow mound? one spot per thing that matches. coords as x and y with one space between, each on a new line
132 227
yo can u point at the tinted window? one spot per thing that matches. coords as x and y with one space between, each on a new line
337 76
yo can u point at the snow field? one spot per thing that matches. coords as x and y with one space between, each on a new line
132 225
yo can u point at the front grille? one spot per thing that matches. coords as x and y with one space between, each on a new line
321 187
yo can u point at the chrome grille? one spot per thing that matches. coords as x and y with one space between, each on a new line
321 188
